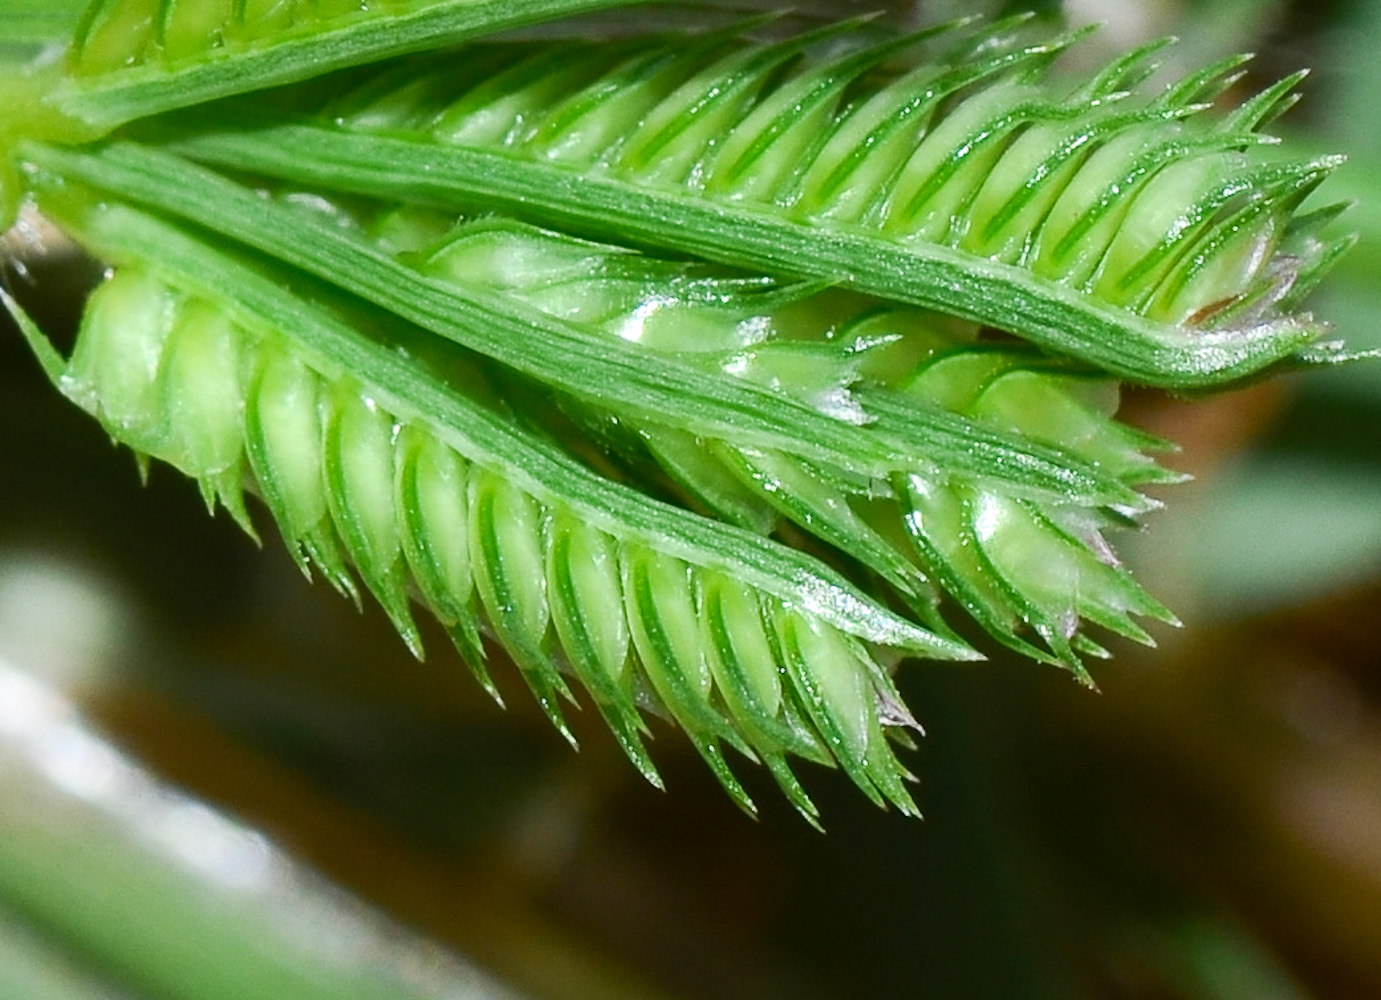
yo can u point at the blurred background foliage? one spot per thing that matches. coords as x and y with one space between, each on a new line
1207 827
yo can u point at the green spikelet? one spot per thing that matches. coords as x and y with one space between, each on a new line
417 487
1133 232
132 58
566 355
872 363
882 366
705 377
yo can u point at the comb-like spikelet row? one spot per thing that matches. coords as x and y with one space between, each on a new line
132 58
176 376
1048 559
1101 206
1019 563
614 373
122 34
1125 200
836 231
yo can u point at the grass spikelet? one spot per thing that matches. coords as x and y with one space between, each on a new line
1132 231
892 367
704 375
133 58
573 576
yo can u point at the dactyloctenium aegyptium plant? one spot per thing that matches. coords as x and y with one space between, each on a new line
712 374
